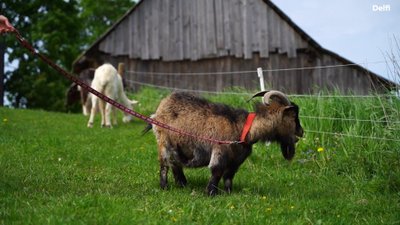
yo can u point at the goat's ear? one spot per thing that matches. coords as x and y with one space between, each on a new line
291 111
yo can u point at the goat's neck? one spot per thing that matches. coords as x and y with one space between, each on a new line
262 129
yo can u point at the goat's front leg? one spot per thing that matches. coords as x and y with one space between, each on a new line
212 187
93 111
228 178
216 165
108 111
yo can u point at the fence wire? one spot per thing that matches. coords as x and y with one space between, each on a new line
162 75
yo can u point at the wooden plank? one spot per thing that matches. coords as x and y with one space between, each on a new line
118 40
113 43
264 37
237 30
164 28
102 45
149 27
292 48
144 26
136 43
219 24
246 32
226 7
131 33
273 30
171 53
210 40
201 30
179 30
284 36
194 31
256 25
186 23
155 34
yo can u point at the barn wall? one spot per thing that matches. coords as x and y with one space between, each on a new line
307 81
205 36
174 30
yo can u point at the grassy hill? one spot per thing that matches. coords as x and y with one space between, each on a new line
54 170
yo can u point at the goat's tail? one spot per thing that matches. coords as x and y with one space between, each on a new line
147 128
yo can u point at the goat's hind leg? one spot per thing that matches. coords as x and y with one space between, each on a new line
179 176
164 166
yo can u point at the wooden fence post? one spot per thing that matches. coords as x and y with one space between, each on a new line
261 76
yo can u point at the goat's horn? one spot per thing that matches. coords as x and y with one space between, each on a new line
259 94
282 98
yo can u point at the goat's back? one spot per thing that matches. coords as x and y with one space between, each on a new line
199 116
106 80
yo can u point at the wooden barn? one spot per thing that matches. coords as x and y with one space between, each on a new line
213 45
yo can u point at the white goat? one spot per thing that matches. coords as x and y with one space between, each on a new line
108 82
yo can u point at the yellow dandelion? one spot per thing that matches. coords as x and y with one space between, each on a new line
264 197
269 209
292 207
320 149
232 207
5 120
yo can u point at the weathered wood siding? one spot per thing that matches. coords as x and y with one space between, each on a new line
208 36
345 79
175 30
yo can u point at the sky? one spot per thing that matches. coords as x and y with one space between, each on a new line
362 31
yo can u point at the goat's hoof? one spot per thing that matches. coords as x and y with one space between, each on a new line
90 125
181 184
212 191
164 186
106 126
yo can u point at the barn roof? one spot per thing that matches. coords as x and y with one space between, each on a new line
177 30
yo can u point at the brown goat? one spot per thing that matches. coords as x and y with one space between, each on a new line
276 120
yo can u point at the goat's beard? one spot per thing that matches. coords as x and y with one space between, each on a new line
287 148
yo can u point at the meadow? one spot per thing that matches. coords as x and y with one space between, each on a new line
55 170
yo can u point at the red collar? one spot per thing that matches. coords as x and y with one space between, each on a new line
247 126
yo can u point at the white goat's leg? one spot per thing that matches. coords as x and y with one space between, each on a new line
114 116
84 110
93 111
108 110
102 112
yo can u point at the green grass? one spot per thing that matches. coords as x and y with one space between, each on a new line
54 170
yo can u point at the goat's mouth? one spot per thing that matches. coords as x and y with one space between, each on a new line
298 136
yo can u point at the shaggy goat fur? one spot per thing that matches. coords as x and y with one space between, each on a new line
273 122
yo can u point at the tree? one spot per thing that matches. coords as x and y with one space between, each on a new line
61 29
99 15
